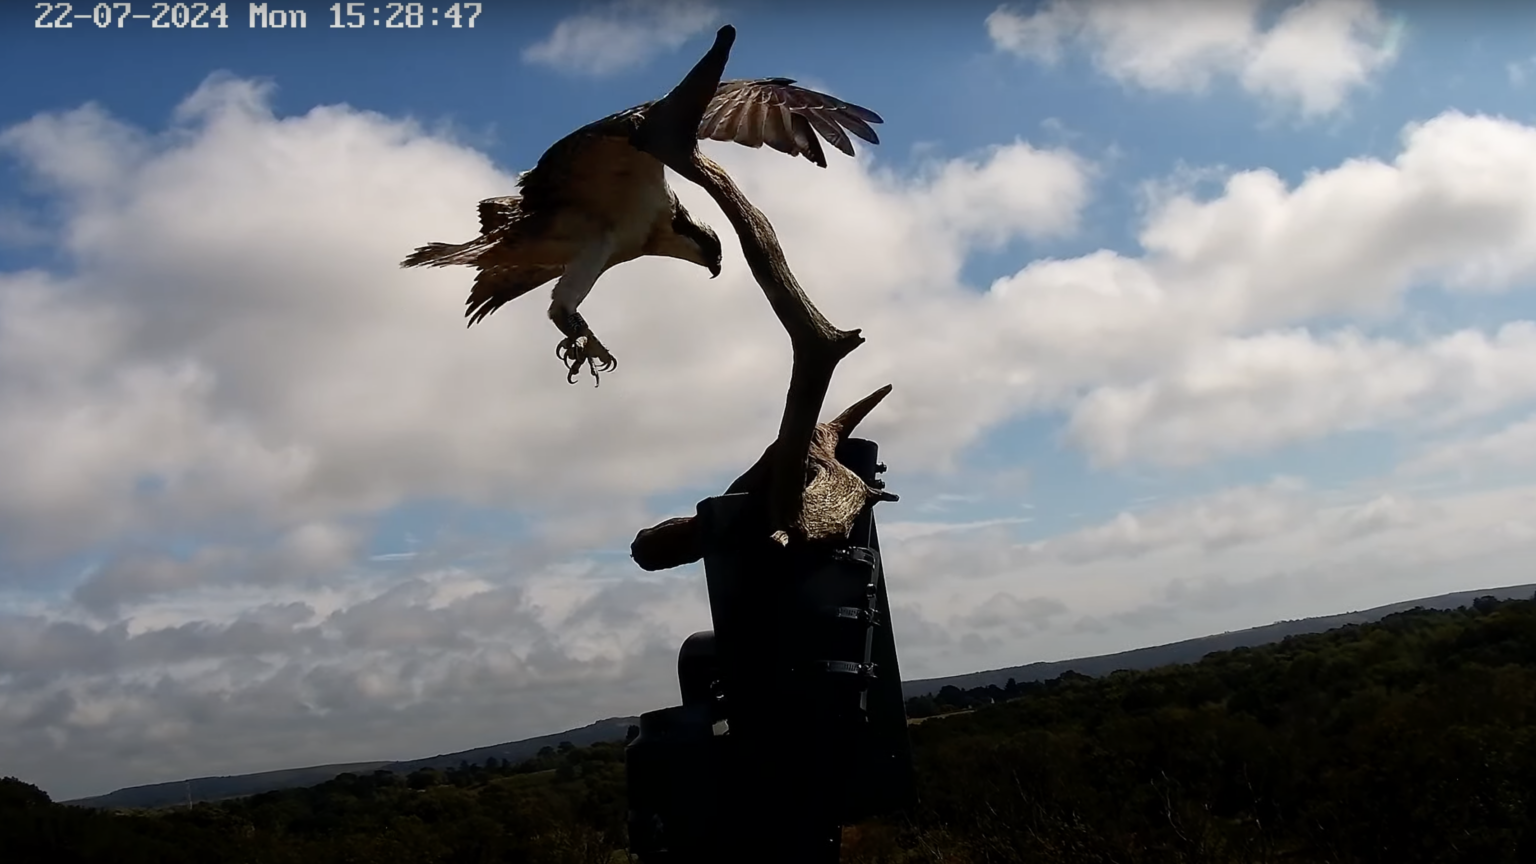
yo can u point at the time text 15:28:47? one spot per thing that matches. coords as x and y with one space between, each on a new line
402 15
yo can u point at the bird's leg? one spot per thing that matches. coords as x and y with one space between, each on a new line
580 346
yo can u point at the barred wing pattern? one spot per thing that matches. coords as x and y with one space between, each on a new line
774 112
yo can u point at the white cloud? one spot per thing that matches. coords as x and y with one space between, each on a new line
1011 191
402 670
1249 395
1178 356
621 35
1313 55
1491 455
1188 567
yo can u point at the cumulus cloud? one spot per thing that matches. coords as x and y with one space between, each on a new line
92 706
308 552
1195 565
1198 349
1495 454
1310 58
1249 395
1010 191
621 35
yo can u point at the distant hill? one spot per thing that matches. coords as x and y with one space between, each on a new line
614 729
217 788
1191 650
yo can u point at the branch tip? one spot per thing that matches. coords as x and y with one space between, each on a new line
844 424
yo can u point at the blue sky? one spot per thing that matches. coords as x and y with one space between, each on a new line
1199 315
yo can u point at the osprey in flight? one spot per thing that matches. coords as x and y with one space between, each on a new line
594 201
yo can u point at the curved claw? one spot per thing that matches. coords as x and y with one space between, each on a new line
591 367
574 351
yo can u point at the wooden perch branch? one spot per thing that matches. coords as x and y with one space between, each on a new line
810 495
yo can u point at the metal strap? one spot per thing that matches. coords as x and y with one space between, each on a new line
862 555
854 613
863 671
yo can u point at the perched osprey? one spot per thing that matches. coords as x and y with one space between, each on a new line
594 201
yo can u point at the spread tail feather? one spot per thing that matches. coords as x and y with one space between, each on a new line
444 254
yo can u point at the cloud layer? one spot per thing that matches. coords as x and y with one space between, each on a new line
1309 59
620 35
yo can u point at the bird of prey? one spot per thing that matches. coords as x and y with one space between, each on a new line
594 201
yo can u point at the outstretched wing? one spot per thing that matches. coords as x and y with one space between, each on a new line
774 112
771 111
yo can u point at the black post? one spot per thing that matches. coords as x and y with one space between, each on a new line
792 722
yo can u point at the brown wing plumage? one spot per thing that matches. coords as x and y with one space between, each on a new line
774 112
502 220
496 286
548 185
498 216
498 213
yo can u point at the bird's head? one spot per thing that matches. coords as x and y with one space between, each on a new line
702 246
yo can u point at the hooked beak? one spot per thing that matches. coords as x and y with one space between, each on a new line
714 270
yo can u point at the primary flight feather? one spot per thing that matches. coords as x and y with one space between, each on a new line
594 201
